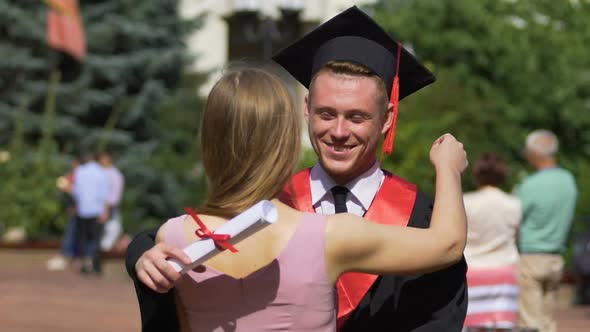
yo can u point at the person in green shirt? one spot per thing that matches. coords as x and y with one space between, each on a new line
548 202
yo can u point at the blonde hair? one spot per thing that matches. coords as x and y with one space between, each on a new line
354 69
250 140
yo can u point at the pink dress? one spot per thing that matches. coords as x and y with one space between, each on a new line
292 293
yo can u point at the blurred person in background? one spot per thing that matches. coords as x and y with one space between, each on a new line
113 227
91 191
581 264
548 200
69 250
493 218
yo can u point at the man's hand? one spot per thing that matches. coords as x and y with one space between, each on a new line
155 272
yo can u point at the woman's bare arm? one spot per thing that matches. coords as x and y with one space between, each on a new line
353 244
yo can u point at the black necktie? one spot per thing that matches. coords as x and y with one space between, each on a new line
339 194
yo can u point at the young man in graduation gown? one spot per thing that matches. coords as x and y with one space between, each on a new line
356 74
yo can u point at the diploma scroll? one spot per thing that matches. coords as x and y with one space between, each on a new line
239 227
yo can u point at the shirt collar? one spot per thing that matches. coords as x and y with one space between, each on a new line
364 187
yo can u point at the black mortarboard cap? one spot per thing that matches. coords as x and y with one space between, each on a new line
354 36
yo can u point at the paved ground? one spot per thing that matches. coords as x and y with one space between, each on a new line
33 299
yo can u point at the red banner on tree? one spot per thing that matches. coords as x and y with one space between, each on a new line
65 31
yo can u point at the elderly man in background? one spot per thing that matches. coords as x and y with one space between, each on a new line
548 202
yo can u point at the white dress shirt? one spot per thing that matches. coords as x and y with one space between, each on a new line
363 190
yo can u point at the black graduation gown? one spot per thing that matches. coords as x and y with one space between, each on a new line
158 311
433 302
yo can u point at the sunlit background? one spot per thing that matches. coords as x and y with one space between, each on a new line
134 77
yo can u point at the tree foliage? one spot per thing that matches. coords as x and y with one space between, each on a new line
504 68
129 94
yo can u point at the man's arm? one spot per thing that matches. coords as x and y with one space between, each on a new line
158 310
430 302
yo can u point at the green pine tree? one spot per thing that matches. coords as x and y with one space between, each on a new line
129 94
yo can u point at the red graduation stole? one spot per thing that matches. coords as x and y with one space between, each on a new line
392 205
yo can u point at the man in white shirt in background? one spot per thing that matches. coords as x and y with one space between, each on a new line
91 190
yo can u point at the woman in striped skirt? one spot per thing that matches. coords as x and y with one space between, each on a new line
493 217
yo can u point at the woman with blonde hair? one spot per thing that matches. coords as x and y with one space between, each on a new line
282 278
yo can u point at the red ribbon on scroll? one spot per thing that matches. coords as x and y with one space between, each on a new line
221 240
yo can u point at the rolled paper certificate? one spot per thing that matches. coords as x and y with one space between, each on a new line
239 227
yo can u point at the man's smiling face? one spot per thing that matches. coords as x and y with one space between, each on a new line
345 123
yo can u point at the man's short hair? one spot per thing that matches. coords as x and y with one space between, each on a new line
543 142
354 69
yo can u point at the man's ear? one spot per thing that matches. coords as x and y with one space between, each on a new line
388 119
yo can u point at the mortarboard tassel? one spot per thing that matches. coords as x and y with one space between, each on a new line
390 135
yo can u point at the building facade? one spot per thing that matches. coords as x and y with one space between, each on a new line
250 31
